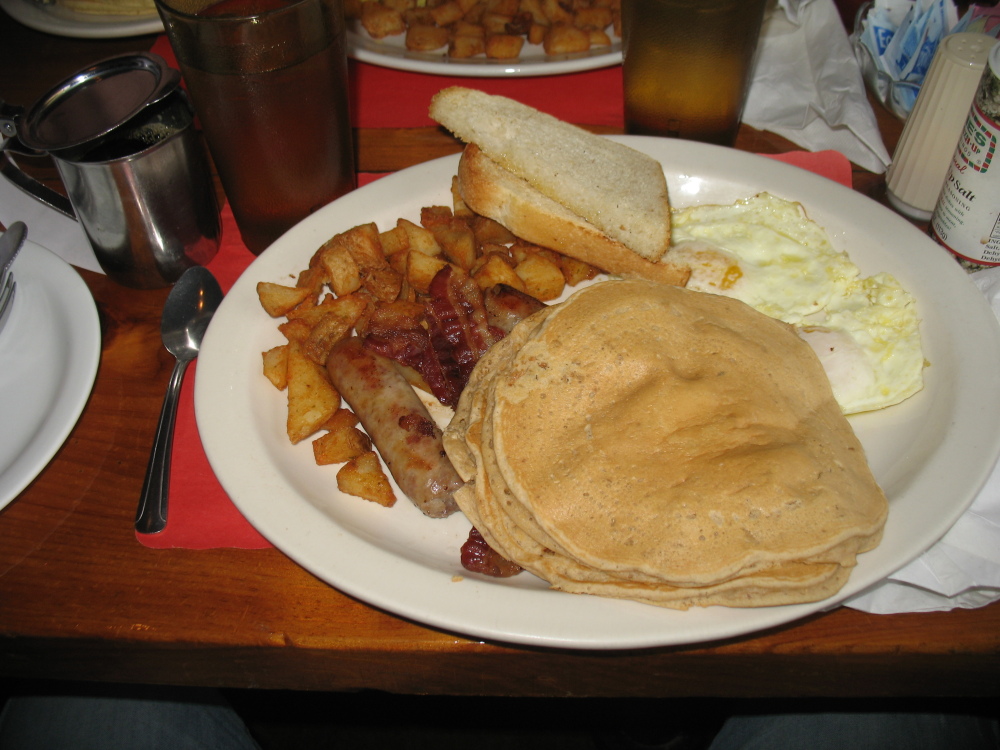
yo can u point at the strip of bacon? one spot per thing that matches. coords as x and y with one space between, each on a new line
479 557
457 323
456 335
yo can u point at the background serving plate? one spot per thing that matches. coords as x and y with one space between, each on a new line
931 454
64 22
391 52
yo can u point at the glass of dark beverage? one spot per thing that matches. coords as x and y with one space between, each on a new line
268 80
687 66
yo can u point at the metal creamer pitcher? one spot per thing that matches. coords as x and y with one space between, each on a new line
121 134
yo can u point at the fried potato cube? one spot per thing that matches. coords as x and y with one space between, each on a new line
494 23
421 269
599 38
312 399
537 32
464 28
534 9
276 366
326 319
311 312
520 250
341 419
459 207
592 18
313 279
401 5
425 37
421 239
342 442
296 329
447 13
380 21
435 216
384 284
394 240
363 477
277 299
341 269
504 7
463 46
475 13
542 278
563 38
576 271
418 17
504 46
364 245
488 231
330 329
555 12
458 242
495 270
397 315
397 262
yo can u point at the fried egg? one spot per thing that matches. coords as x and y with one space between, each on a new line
768 253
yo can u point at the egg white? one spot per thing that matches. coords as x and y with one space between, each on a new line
768 253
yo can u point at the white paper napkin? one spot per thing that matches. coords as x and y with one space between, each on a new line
807 85
47 227
963 569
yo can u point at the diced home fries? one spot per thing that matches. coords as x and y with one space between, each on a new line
495 28
365 274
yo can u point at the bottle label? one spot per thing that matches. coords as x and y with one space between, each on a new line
967 217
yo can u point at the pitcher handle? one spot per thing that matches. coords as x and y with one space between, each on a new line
9 115
33 187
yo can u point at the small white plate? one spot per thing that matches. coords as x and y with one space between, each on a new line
391 52
49 351
64 22
931 454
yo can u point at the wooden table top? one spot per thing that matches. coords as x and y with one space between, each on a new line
80 598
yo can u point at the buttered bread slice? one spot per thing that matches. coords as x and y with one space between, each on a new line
619 190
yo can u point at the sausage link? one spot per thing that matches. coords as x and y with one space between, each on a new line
399 425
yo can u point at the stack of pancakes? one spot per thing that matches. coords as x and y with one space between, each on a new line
647 442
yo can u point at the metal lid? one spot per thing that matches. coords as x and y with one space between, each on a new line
96 100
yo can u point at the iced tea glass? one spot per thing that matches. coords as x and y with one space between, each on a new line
687 66
268 80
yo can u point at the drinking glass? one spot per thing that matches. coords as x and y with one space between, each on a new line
687 66
268 80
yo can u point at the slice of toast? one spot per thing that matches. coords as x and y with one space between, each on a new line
617 189
492 191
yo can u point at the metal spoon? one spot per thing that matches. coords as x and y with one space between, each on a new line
189 308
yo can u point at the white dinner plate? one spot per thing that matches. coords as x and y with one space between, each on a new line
931 454
64 22
49 352
391 52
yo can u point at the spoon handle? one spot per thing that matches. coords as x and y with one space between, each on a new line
151 515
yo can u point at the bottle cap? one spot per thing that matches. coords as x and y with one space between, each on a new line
923 154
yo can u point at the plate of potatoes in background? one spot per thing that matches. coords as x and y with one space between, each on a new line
486 38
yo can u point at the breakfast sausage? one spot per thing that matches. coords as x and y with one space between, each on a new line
506 306
399 425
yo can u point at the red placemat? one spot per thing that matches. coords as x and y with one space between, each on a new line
201 515
387 98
